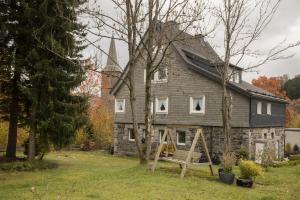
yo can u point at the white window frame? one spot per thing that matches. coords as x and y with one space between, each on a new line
269 109
237 77
129 138
259 108
157 80
177 138
160 136
157 109
192 111
116 107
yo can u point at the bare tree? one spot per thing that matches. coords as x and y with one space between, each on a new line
243 23
143 26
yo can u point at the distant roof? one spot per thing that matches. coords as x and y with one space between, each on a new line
112 60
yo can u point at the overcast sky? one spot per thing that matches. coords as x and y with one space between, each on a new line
285 25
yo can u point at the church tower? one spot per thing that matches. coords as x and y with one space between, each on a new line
111 72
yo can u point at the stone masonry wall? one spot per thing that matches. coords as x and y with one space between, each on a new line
241 137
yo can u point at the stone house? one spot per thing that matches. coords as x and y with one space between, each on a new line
186 94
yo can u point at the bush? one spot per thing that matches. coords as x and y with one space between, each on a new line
27 165
249 169
268 156
243 153
287 163
288 148
296 148
22 134
295 157
228 160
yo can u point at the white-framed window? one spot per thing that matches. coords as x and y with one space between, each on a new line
161 75
236 77
269 108
180 137
161 133
119 105
259 108
161 105
130 135
197 104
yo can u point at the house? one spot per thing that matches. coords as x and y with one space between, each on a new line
187 93
292 138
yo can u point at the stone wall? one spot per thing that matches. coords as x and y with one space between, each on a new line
241 137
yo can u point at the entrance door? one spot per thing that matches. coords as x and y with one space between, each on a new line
259 149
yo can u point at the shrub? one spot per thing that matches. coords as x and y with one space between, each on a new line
295 157
228 160
27 165
243 153
249 169
288 148
296 148
268 156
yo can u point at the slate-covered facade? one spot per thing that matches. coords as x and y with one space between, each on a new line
188 96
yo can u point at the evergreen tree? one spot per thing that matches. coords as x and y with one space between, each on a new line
49 52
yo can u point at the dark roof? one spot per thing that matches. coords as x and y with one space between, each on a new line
207 68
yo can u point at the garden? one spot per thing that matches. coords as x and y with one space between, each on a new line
99 175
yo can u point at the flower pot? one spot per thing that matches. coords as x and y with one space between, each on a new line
227 178
244 182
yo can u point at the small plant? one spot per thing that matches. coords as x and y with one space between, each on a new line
296 148
243 153
249 169
228 160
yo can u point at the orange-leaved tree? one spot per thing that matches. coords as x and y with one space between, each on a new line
275 86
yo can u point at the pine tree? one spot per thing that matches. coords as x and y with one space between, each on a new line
50 52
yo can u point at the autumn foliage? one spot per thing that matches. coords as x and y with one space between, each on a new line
275 86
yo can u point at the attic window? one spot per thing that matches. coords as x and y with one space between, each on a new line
269 108
161 105
197 104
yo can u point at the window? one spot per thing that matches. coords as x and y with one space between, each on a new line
272 136
236 77
197 104
259 108
161 75
161 133
265 136
120 105
269 108
161 105
180 137
130 134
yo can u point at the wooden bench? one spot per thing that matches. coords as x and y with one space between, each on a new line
180 157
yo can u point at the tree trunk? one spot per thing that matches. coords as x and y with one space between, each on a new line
13 118
140 150
32 133
148 128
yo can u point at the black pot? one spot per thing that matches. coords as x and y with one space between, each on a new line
244 182
227 178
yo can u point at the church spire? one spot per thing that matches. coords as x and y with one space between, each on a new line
112 60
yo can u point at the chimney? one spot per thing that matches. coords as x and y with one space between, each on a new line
171 25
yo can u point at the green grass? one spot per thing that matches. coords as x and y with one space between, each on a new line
96 175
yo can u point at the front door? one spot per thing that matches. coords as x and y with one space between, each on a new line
259 149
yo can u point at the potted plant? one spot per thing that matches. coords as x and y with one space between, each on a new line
242 154
227 162
248 170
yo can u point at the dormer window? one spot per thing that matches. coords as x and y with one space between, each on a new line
236 78
269 108
161 105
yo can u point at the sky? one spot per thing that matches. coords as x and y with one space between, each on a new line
285 25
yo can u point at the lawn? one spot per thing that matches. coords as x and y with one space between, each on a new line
96 175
